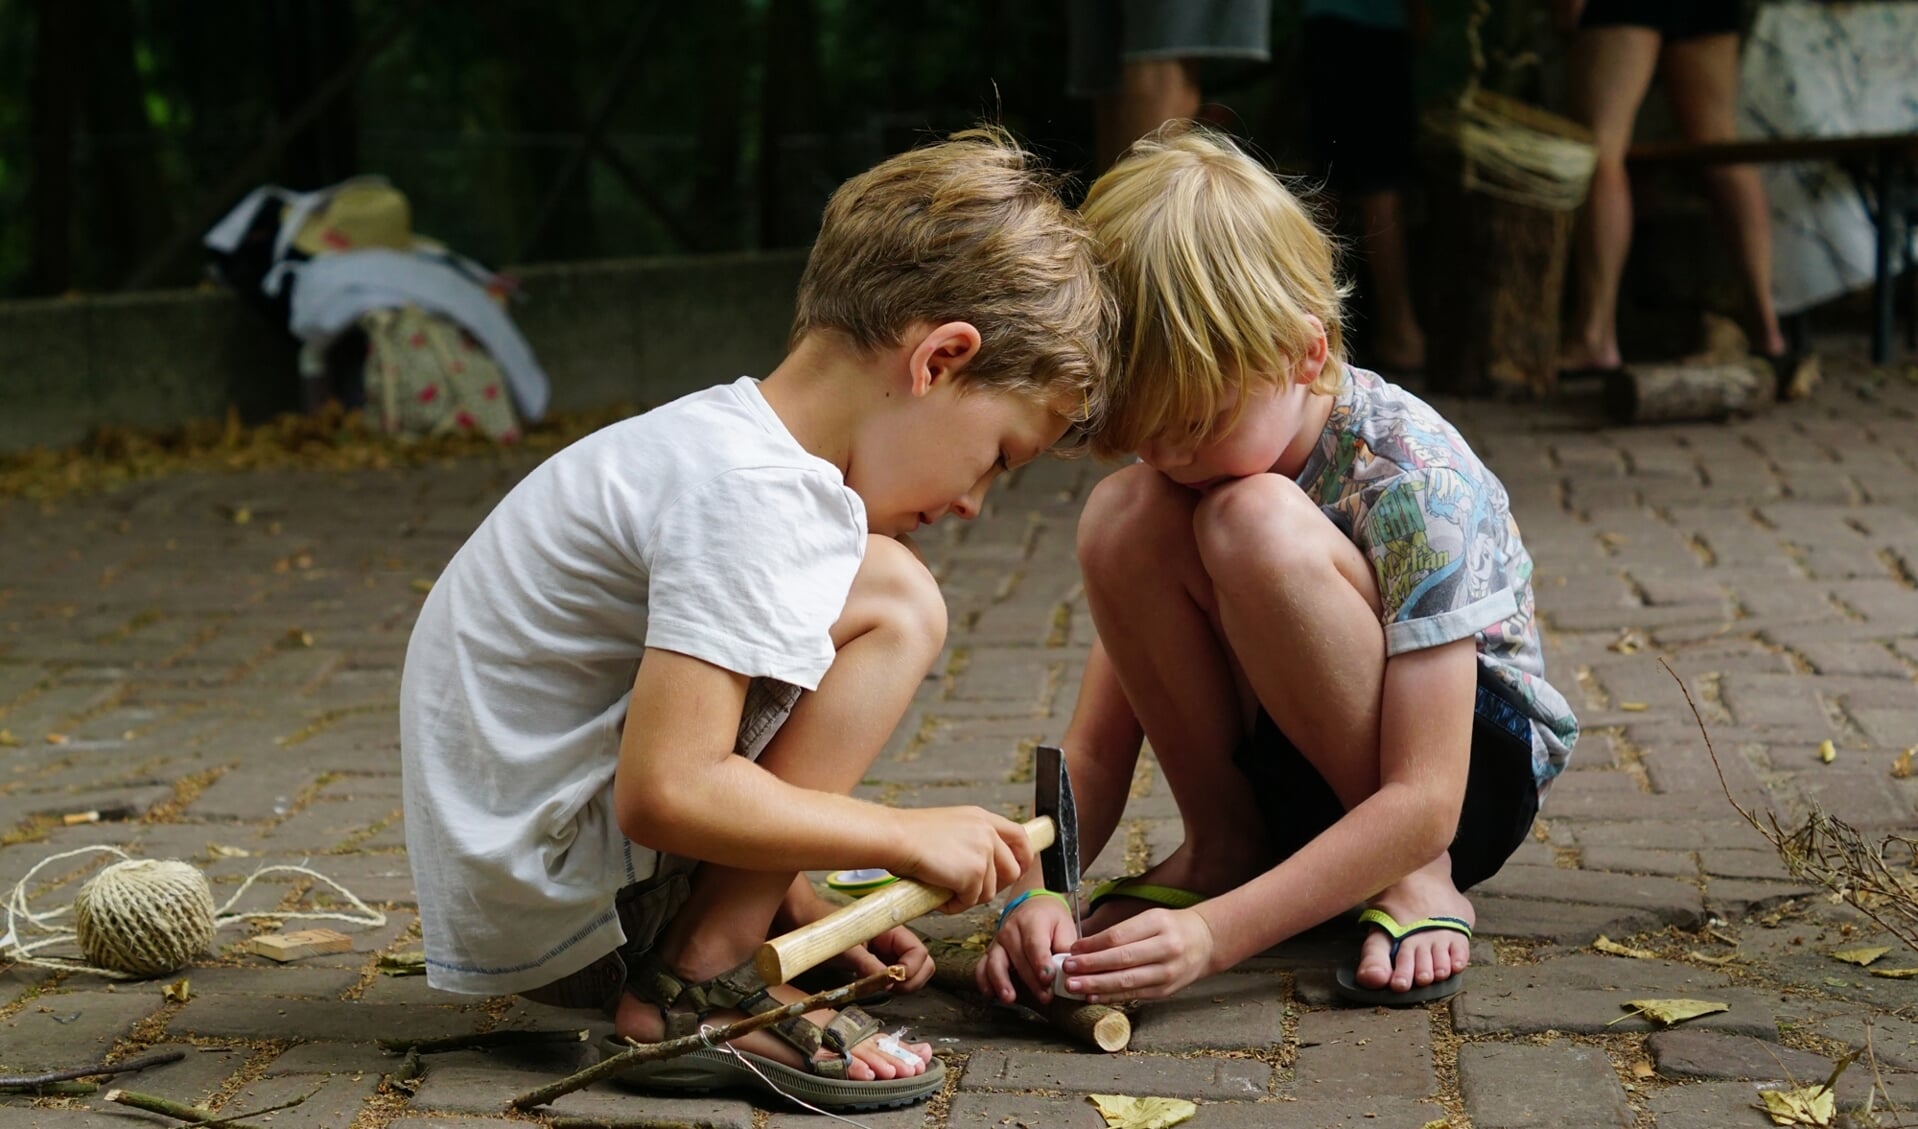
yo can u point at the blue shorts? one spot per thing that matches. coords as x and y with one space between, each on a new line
1501 794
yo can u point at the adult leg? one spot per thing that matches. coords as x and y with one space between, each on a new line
1151 93
1701 77
1400 344
1300 607
1156 622
890 633
1610 70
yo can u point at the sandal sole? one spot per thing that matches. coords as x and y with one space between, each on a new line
704 1071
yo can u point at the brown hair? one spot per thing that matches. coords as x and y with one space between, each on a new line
1217 267
969 229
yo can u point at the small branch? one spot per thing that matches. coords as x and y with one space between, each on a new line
54 1089
672 1048
98 1069
486 1041
195 1115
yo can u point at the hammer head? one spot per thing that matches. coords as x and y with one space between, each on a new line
1052 796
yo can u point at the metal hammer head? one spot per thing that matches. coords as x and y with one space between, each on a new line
1052 796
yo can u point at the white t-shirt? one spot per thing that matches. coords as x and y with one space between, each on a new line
701 527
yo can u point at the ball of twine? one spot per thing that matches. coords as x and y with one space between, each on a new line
145 917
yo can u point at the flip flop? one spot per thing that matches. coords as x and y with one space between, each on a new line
1171 897
703 1071
1350 990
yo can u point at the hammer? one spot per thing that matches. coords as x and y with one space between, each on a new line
1053 832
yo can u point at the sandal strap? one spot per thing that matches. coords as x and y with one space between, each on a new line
849 1028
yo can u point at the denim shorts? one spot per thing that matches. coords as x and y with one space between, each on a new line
1501 794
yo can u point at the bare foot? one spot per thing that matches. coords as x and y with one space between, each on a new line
1585 355
1186 868
641 1021
1427 957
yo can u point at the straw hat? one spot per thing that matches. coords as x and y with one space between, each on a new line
366 212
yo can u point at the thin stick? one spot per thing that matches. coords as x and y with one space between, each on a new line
98 1069
672 1048
490 1039
54 1089
632 1123
195 1115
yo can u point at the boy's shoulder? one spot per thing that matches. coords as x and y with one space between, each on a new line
1396 425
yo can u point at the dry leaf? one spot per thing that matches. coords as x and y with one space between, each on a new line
1605 944
178 992
1895 973
1642 1069
1629 642
240 515
403 964
8 740
1901 767
421 584
1827 752
1633 707
1125 1112
1708 958
298 637
1860 957
976 943
1807 1105
1668 1012
57 738
221 851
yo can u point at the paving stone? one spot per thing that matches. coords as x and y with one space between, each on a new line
1566 923
1732 898
1217 1078
1227 1012
1353 1054
1671 901
482 1082
333 1058
240 1017
61 1028
1481 1010
1893 1041
1702 1054
330 1101
1711 1105
975 1110
261 981
1563 1085
1638 860
193 1079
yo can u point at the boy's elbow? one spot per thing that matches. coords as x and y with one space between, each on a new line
649 816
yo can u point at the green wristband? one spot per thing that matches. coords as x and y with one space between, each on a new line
1022 899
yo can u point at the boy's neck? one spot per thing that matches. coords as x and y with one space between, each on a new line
821 392
1314 413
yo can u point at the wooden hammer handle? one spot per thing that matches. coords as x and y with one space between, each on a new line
790 954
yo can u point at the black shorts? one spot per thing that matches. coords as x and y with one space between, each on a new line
1673 19
1501 795
1362 119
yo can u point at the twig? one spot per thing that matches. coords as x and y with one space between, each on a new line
1832 853
54 1089
98 1069
488 1040
406 1079
632 1123
193 1114
672 1048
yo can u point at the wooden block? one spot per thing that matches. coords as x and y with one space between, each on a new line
305 943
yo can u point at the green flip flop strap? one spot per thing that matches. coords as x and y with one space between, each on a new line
1390 926
1171 897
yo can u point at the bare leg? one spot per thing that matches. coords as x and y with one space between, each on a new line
1157 627
1701 76
1610 70
1151 93
888 636
1400 343
1300 606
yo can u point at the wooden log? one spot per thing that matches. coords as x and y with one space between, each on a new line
1669 393
1097 1025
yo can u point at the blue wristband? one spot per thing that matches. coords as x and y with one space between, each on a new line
1021 900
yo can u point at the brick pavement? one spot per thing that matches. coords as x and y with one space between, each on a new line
232 684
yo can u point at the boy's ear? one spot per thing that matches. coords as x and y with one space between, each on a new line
940 353
1317 351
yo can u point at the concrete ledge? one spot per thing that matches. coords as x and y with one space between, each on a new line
638 330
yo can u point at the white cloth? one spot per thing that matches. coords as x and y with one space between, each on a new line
1825 70
332 291
701 527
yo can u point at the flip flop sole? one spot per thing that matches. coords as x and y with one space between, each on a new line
1350 990
705 1070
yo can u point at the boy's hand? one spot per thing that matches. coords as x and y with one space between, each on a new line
1026 942
898 945
1147 957
969 851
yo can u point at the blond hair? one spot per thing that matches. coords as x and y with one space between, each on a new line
969 229
1218 268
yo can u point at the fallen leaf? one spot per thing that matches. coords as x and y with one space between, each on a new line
298 637
1642 1069
1125 1112
8 740
57 738
1827 752
1605 944
1630 642
421 584
1901 767
403 964
1860 957
1807 1105
1633 707
977 942
1668 1012
1895 973
1441 1123
240 515
178 992
1708 958
221 851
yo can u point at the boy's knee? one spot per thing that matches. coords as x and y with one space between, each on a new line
1264 520
895 592
1130 515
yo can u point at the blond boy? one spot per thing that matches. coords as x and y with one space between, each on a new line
635 702
1334 654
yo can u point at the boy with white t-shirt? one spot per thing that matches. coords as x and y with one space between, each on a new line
635 702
